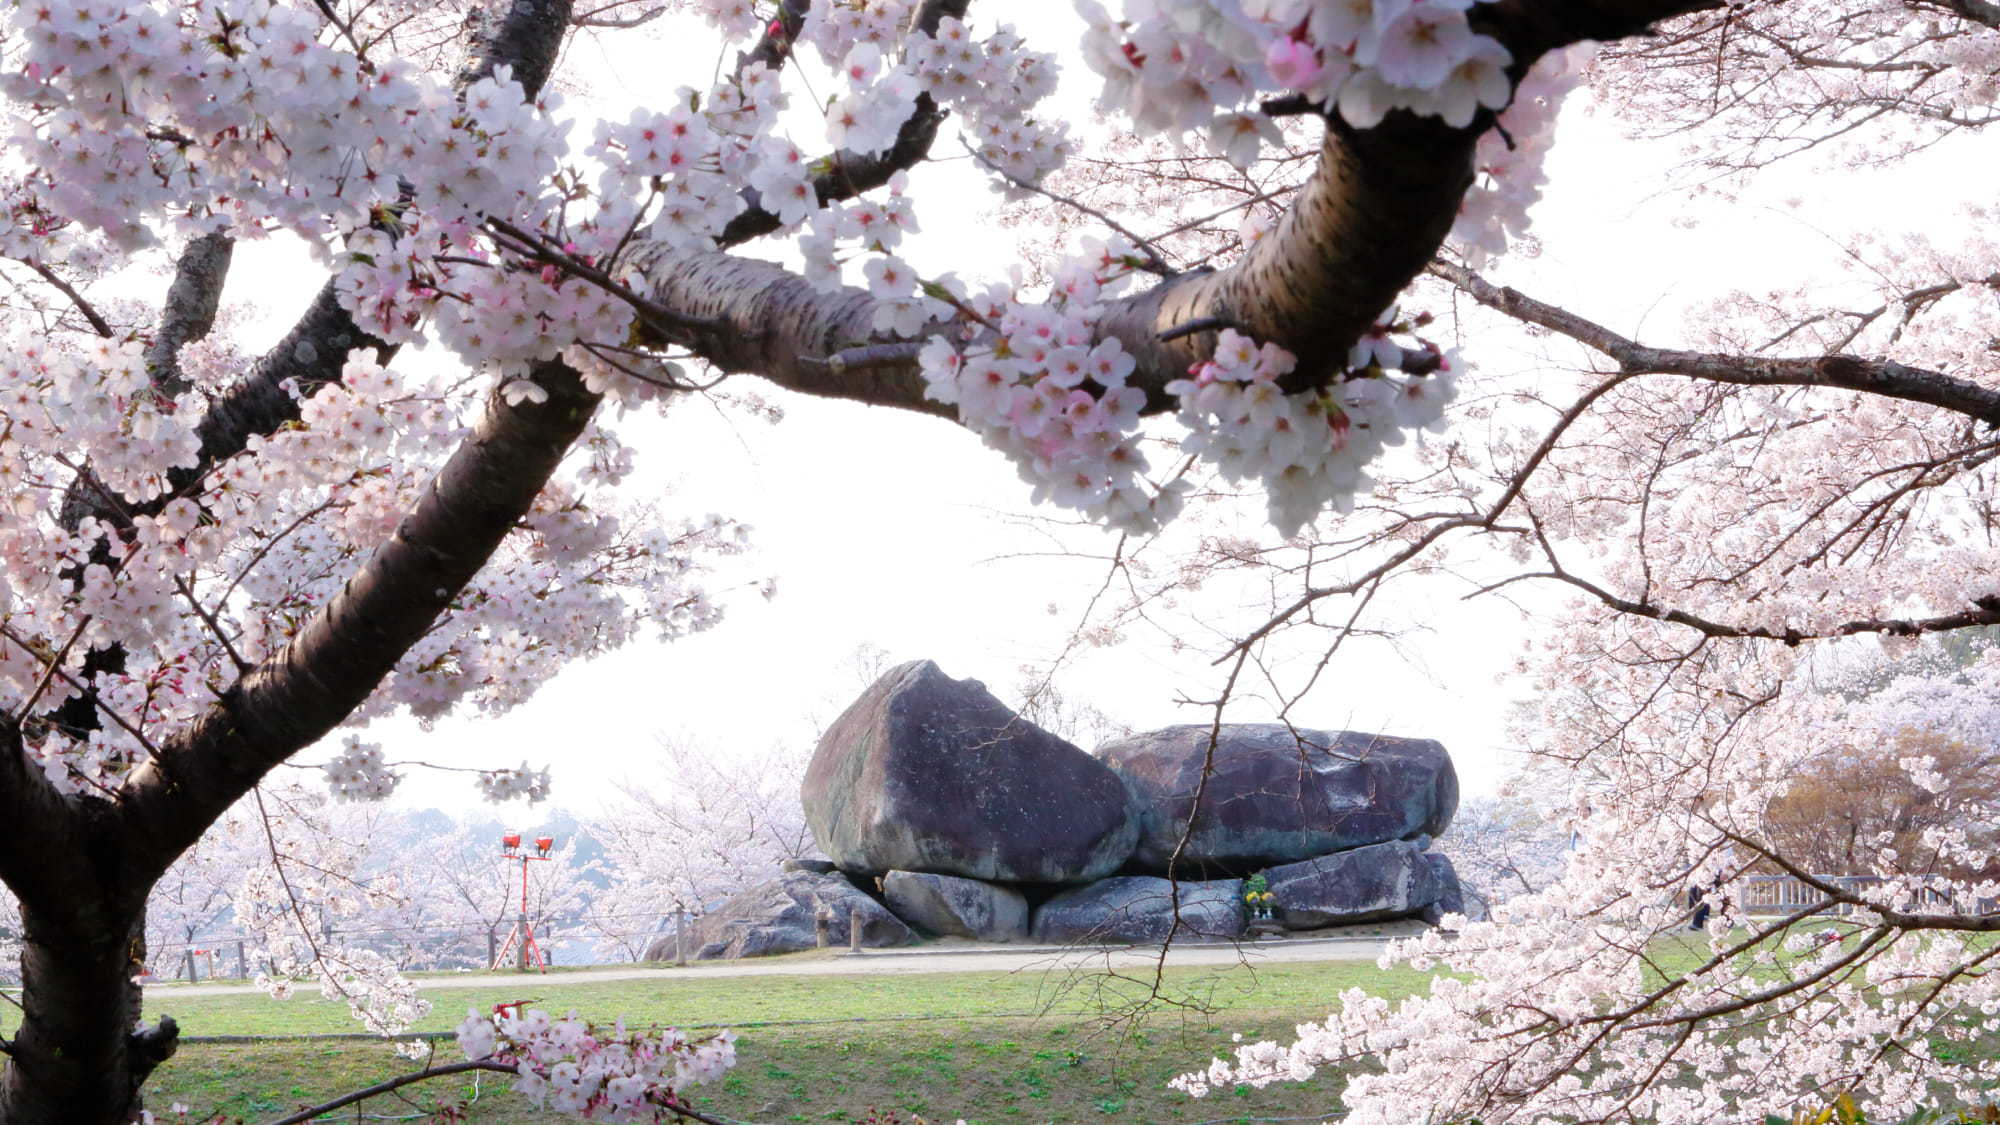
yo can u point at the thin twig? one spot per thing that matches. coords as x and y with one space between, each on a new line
1153 263
49 672
396 1083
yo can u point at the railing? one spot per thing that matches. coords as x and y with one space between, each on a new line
1786 894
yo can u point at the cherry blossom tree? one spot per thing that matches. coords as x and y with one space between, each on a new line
1504 845
215 559
695 829
456 892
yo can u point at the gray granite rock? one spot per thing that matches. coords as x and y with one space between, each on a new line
928 773
1451 893
1389 880
1277 795
949 906
779 916
1140 908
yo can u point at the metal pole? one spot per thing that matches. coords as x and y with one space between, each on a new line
525 932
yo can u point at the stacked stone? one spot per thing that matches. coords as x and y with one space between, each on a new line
944 813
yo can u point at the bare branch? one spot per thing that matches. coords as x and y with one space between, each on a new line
1843 372
97 322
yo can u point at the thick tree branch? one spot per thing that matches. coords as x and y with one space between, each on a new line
1978 11
1377 207
190 307
40 868
1373 213
1843 372
775 45
300 693
527 41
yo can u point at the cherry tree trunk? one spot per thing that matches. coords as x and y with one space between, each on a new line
80 1054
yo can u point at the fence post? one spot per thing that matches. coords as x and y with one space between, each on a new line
853 932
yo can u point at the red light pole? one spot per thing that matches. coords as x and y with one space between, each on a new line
521 939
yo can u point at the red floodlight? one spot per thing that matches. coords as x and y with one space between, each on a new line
521 939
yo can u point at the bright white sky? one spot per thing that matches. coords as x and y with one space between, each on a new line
905 533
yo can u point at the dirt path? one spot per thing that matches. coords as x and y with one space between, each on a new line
949 959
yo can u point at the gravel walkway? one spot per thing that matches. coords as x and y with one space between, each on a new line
938 958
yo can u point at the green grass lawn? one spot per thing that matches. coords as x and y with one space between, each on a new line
988 1047
1056 1071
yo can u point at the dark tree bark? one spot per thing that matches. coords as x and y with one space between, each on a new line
79 1055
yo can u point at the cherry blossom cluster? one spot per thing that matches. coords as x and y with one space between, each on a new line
1037 383
236 109
994 83
608 1073
96 401
1509 159
735 19
507 784
1307 448
842 233
1203 65
359 772
1029 378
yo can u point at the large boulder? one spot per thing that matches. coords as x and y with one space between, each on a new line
1390 880
1277 794
928 773
1451 892
948 906
1140 909
780 916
